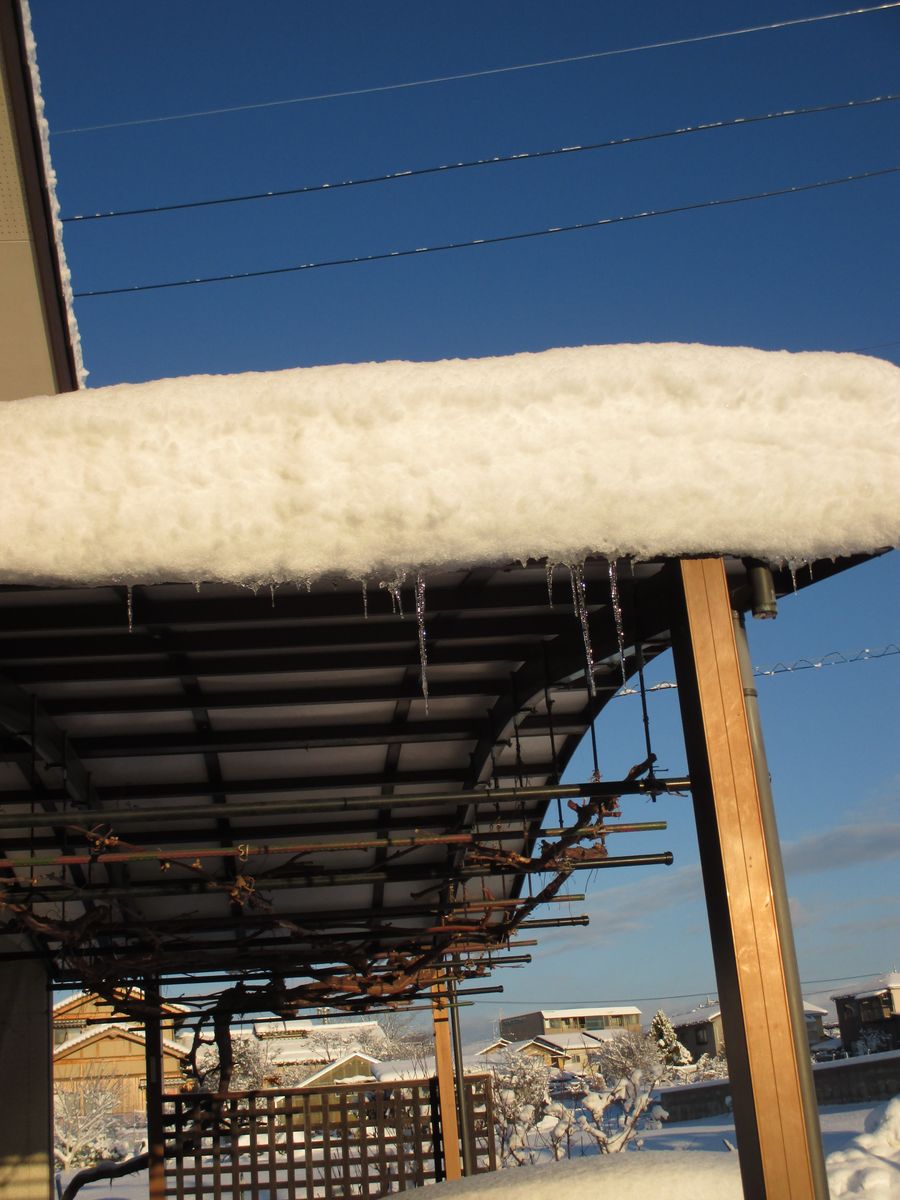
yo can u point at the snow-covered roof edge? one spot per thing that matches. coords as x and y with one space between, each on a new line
133 1035
620 1010
382 471
339 1062
65 274
889 981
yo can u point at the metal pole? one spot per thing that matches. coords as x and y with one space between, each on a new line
465 1128
262 807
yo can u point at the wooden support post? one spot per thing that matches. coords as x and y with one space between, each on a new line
459 1069
153 1057
774 1103
443 1061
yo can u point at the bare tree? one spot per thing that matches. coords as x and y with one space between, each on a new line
84 1119
632 1096
521 1098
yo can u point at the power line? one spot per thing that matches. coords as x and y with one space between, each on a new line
804 983
415 83
493 160
490 241
834 658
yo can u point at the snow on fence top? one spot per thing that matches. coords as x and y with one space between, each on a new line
370 469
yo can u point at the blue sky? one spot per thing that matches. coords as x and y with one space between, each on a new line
812 271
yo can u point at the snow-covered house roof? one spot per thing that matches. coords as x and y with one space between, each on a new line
112 1030
419 1068
618 1010
708 1012
366 470
865 988
576 1039
357 1056
696 1016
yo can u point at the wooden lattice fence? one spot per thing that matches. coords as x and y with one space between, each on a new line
342 1140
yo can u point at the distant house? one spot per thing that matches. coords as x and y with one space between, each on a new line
92 1040
570 1020
561 1051
700 1030
75 1014
872 1008
814 1016
115 1054
300 1049
552 1056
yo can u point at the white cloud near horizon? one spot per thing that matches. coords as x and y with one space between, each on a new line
841 846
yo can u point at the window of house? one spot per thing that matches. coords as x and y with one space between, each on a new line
702 1036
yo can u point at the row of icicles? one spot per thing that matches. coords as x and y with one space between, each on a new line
579 603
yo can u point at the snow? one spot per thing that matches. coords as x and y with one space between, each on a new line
562 1013
369 470
691 1162
65 274
687 1161
865 989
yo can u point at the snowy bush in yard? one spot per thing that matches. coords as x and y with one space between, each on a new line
871 1041
633 1097
559 1135
521 1098
708 1067
85 1127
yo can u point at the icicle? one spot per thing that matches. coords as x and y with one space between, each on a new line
365 595
809 568
308 586
129 605
420 624
579 601
792 566
617 613
272 593
197 586
393 586
549 570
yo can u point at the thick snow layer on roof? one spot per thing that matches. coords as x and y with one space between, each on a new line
369 469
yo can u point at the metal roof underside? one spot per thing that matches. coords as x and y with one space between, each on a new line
254 786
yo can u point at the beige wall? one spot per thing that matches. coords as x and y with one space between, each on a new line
26 1158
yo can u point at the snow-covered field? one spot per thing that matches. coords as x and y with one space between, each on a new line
687 1161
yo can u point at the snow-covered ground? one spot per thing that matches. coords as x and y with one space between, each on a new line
687 1161
372 469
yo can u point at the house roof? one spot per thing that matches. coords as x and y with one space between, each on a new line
696 1016
357 1055
99 1032
865 988
78 998
619 1010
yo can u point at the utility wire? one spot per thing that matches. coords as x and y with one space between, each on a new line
491 241
507 1001
549 62
834 658
483 162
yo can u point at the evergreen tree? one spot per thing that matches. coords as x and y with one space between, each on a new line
671 1050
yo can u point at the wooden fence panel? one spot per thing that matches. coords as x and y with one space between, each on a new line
332 1143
